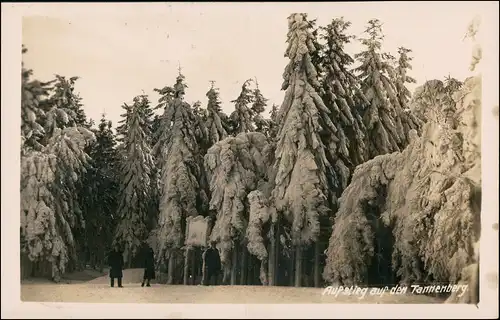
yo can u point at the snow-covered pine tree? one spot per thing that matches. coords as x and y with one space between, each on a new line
135 181
414 216
149 126
34 95
469 107
301 190
143 106
49 210
426 97
273 122
148 114
65 99
259 234
386 122
183 182
154 129
343 96
436 95
259 104
63 109
451 87
217 122
402 77
242 117
235 167
200 112
166 96
101 185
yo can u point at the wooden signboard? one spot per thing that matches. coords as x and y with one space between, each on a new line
197 231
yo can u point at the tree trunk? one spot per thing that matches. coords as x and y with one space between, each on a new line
102 260
171 264
187 254
277 253
271 264
194 269
129 261
227 273
234 266
298 266
203 271
271 272
317 251
244 266
291 267
253 271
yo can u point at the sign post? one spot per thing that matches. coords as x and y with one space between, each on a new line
196 236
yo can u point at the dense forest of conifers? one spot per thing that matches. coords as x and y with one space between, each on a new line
334 186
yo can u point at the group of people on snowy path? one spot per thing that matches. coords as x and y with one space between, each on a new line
211 259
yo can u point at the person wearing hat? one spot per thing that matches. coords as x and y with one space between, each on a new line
115 260
149 266
211 258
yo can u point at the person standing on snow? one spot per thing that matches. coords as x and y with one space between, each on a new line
149 267
211 258
115 261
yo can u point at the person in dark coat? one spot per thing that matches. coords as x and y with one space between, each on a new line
149 267
212 264
115 261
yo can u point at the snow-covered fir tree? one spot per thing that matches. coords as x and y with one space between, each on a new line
261 216
199 111
436 96
183 182
142 105
53 163
217 122
451 87
302 187
149 126
100 188
50 212
242 117
402 77
413 216
135 181
235 167
342 95
273 122
65 99
386 122
34 95
166 96
259 104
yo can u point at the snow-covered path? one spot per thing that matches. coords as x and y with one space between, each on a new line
159 293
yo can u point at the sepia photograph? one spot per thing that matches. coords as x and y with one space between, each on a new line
188 158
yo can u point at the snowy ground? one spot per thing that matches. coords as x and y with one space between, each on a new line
134 293
98 290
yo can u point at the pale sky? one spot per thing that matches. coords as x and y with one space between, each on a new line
121 49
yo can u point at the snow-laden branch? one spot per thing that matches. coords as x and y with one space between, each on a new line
235 167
